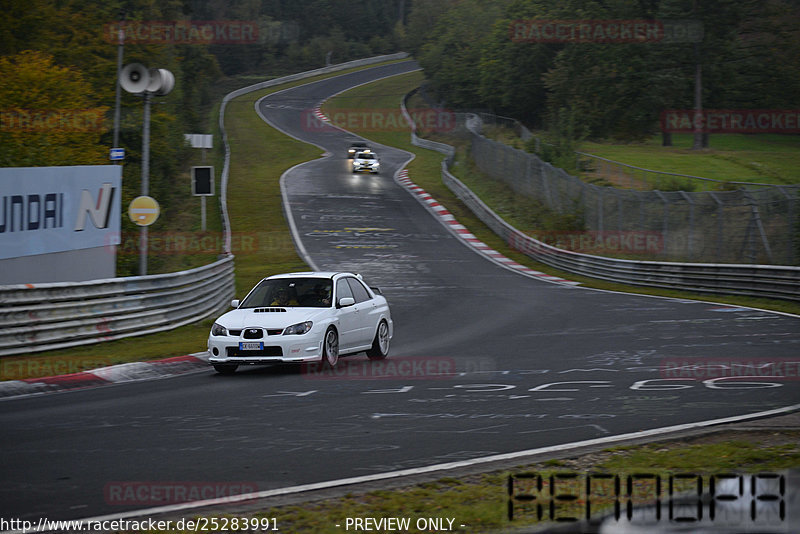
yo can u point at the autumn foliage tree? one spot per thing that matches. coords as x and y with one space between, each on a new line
46 114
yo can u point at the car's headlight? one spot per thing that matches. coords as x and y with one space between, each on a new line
299 328
219 330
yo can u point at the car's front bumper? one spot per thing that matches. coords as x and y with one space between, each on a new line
366 168
276 349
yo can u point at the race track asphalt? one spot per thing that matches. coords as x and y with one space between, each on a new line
484 361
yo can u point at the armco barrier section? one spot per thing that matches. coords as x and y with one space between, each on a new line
35 318
769 281
40 317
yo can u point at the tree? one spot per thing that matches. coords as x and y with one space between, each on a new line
451 59
48 116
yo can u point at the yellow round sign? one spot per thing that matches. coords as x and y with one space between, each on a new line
143 211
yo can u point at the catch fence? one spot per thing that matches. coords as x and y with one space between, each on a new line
755 225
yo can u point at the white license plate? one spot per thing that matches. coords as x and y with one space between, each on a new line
251 345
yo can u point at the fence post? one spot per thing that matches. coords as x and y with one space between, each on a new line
690 232
720 225
665 221
756 218
600 203
793 227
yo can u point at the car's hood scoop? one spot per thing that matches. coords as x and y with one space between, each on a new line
269 310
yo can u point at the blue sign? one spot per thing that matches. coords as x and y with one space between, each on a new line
117 154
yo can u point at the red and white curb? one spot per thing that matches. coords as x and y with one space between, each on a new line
319 114
465 235
103 376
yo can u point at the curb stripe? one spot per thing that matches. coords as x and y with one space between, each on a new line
463 233
103 376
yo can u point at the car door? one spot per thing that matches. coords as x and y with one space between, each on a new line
349 317
366 305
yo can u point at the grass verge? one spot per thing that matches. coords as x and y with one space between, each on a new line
762 158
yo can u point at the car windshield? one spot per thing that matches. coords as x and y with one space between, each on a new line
290 292
365 155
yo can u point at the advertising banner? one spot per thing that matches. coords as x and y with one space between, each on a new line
56 209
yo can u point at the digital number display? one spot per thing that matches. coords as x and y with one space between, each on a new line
727 498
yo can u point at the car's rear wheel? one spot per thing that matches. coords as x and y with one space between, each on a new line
224 369
330 348
380 345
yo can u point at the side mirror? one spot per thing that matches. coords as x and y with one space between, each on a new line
235 303
346 301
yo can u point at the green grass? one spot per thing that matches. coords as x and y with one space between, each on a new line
733 455
763 158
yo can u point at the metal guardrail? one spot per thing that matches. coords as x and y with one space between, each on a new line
35 318
40 317
770 281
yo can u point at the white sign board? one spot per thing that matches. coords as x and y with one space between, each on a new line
56 209
199 140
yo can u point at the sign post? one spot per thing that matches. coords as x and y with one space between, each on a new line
203 186
202 176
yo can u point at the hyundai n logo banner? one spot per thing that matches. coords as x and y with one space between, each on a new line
55 209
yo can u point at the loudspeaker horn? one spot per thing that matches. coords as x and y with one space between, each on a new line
161 83
134 78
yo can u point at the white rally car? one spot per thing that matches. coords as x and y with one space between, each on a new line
302 317
366 160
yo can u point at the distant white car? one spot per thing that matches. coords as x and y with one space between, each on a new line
302 317
366 161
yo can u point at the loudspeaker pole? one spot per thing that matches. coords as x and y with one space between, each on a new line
119 85
145 181
137 79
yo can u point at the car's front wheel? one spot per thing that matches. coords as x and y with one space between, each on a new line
225 369
380 345
330 348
